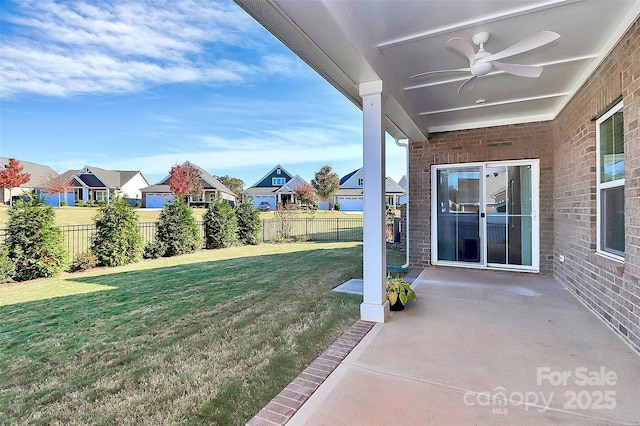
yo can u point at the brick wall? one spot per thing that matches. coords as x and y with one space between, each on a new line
522 141
567 152
608 287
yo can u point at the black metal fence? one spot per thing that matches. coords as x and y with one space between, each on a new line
77 238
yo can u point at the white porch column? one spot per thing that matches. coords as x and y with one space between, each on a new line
375 307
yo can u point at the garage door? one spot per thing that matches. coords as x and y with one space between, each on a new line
155 201
351 204
270 200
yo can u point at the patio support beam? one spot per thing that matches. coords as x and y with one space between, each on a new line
375 307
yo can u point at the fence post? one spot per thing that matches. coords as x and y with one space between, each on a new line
337 229
264 222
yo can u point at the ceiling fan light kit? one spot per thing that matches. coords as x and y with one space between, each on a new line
482 62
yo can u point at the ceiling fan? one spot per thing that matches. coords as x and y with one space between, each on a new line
481 62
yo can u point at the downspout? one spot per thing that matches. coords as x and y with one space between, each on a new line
406 265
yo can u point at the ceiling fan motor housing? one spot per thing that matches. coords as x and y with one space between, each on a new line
481 68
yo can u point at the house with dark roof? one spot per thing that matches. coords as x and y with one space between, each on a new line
39 174
276 187
155 196
93 184
350 195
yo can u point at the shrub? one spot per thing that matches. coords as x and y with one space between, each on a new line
284 221
79 203
249 223
138 204
7 267
220 225
336 206
34 243
177 228
154 250
117 240
63 203
101 203
83 261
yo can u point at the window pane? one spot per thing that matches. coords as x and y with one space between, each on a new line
612 148
612 227
458 200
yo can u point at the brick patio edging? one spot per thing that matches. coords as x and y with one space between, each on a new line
288 402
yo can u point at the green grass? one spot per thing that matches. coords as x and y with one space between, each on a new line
207 338
84 215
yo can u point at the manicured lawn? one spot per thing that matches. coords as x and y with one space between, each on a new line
85 215
207 338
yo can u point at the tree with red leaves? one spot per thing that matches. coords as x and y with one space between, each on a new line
305 194
12 176
184 181
56 184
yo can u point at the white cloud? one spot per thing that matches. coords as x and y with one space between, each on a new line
62 49
297 146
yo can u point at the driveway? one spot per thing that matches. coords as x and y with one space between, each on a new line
483 348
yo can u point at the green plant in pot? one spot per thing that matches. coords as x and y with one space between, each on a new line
398 292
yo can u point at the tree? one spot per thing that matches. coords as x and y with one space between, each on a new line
177 231
56 184
117 240
11 176
326 183
234 184
305 194
185 180
220 225
249 223
35 244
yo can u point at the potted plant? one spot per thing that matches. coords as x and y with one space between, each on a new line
398 292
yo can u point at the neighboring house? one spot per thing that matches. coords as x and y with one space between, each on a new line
276 187
95 184
39 174
350 194
155 196
552 164
404 184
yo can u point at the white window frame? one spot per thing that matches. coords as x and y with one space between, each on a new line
602 186
278 181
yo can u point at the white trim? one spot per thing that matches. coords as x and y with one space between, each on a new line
607 185
535 216
374 305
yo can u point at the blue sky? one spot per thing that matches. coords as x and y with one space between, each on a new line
135 85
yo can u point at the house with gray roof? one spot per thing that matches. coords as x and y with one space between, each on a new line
93 184
350 195
155 196
39 174
276 187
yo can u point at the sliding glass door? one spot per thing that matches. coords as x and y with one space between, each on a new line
485 215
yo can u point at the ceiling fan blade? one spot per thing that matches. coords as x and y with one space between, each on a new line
468 85
529 43
462 46
422 74
519 70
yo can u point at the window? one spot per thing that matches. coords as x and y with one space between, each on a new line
610 182
100 195
278 181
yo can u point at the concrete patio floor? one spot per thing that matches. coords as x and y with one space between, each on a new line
483 348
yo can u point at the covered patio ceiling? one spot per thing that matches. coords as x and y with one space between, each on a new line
351 42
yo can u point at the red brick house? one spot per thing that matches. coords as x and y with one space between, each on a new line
536 175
